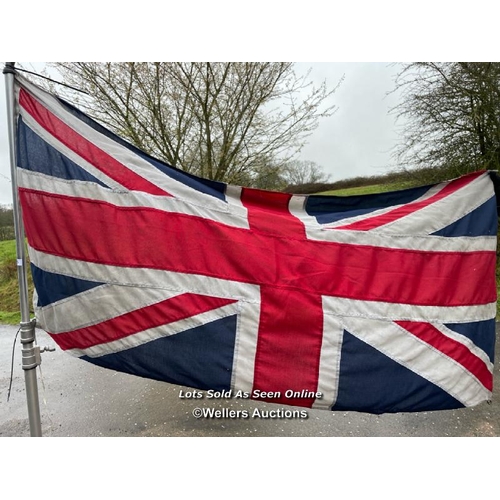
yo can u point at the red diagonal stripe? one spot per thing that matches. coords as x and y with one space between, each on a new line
409 208
144 237
165 312
453 349
85 149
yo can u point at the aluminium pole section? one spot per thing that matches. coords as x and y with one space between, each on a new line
30 352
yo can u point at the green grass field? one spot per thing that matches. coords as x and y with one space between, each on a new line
9 288
373 189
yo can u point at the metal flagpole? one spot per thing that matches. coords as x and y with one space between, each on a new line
30 352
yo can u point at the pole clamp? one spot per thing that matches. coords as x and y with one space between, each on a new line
30 353
31 358
9 68
28 331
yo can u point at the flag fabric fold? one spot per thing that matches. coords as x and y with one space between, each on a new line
376 303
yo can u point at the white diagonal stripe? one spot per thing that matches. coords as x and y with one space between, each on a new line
375 213
445 211
96 305
125 156
155 333
419 357
465 341
236 217
63 149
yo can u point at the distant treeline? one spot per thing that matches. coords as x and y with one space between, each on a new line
6 223
408 178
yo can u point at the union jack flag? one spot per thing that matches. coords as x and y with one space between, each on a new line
375 303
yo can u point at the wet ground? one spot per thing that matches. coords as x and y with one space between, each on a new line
80 399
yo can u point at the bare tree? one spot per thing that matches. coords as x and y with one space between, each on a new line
216 120
451 114
6 222
297 172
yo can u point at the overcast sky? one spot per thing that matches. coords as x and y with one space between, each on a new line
355 141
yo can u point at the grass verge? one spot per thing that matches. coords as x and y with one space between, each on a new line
9 287
373 189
